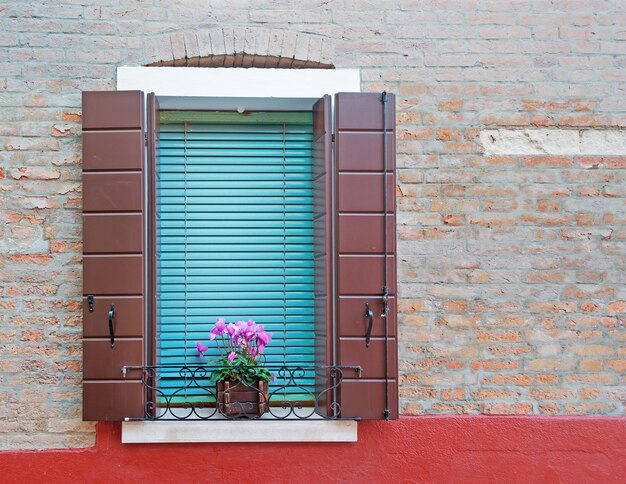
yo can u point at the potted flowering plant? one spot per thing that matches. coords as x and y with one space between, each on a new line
241 377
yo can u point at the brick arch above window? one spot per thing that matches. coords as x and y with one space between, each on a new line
245 47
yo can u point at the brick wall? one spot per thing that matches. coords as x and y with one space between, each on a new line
511 261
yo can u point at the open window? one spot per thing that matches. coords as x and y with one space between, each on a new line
235 216
260 214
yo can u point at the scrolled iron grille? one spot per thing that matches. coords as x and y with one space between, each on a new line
197 397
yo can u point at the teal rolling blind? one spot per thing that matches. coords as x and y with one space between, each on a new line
234 234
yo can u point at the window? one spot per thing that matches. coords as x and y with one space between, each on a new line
355 257
235 237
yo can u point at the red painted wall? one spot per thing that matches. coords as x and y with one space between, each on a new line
413 449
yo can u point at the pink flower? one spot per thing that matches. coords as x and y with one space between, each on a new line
263 338
241 326
201 348
249 334
247 339
218 329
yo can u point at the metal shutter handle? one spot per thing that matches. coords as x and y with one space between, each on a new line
111 331
368 314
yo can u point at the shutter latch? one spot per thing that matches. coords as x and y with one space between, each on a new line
385 311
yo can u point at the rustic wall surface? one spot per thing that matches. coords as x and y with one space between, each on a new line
511 169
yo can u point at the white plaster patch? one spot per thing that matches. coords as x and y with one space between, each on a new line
603 142
553 141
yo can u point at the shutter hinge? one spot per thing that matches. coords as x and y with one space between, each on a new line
90 302
145 137
332 138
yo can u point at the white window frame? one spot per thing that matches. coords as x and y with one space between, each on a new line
238 82
238 89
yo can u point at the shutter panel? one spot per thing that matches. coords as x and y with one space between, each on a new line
359 250
113 253
153 131
322 245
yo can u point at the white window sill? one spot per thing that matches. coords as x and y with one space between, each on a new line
266 430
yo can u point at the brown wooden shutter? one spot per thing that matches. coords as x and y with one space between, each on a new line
114 227
359 250
322 190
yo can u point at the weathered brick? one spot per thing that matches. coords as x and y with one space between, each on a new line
553 364
507 408
590 408
517 380
546 379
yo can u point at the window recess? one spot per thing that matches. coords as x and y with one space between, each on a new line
234 211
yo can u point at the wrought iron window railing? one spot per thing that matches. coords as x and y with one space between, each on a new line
296 393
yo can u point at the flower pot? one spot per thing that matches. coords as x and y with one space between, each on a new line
236 399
